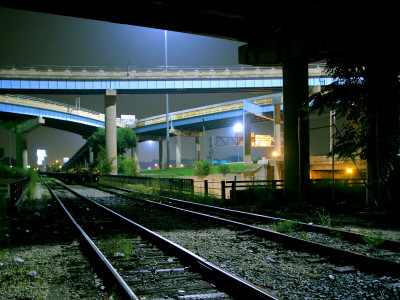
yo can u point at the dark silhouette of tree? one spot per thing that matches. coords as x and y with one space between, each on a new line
365 93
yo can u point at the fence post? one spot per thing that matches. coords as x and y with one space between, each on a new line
223 196
274 184
234 190
206 188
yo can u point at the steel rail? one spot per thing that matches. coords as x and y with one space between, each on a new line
354 237
363 262
224 280
102 264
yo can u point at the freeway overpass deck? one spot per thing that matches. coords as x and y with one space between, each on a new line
64 80
212 117
57 115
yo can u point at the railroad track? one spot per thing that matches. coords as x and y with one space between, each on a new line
384 262
150 267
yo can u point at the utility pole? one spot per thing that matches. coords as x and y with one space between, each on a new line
166 100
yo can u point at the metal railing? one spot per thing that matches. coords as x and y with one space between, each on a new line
16 190
227 189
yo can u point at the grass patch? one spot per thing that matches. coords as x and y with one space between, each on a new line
190 171
118 245
285 226
373 241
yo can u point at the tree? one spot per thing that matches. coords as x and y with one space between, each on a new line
365 94
103 164
202 168
126 139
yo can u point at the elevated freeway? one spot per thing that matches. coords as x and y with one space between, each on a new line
96 80
111 82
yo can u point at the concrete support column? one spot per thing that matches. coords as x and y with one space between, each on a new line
160 154
277 138
178 151
246 138
295 90
91 155
135 153
21 150
111 128
197 148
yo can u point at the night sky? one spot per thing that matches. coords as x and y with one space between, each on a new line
36 39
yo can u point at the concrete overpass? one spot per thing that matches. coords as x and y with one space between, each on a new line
23 114
110 82
289 34
97 80
193 122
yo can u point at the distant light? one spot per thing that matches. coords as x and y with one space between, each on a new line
148 168
275 153
182 165
349 170
238 127
41 154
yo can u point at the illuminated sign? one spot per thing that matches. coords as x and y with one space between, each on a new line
259 140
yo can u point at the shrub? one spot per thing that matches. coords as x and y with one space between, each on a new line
128 166
202 168
223 168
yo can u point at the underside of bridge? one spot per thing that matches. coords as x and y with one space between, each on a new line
287 33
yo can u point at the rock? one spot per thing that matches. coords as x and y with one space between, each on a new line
17 259
331 277
37 214
32 273
271 260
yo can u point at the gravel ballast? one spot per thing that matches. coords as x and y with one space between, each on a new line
283 272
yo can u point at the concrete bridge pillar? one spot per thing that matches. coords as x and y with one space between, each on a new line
21 150
160 153
197 148
277 137
295 90
91 156
246 138
21 130
135 153
178 149
111 128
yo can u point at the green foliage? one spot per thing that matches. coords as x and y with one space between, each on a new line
34 178
335 233
126 139
285 226
127 166
103 164
98 140
223 168
373 241
202 168
348 96
324 217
